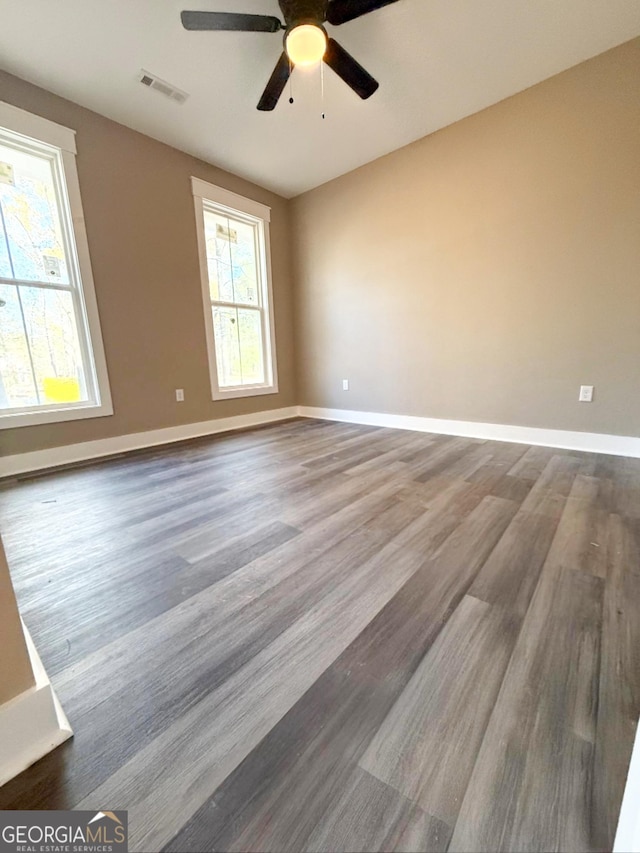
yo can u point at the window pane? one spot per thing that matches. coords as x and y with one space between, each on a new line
231 259
243 254
17 387
218 242
31 244
55 351
5 266
225 327
251 351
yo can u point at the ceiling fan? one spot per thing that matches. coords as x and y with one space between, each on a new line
305 39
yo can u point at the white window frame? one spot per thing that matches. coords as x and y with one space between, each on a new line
230 204
59 144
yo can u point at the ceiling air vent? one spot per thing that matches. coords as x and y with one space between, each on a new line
163 87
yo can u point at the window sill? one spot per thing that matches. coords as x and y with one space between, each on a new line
249 391
50 416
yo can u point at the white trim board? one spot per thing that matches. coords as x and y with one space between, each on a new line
628 833
36 460
593 442
225 198
23 463
210 198
32 723
37 136
38 128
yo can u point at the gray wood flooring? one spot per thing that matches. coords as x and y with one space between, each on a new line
327 637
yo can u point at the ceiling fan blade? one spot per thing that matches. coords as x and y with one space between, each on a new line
230 21
341 11
276 84
352 72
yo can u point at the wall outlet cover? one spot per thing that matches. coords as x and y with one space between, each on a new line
586 394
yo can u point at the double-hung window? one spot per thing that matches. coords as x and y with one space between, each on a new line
233 241
52 365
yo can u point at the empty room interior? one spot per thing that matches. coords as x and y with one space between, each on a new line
319 426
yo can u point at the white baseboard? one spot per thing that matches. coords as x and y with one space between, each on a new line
37 460
615 445
32 723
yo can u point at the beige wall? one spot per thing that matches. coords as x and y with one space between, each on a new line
16 674
138 206
482 273
485 272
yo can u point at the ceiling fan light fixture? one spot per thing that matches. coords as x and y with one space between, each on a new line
306 44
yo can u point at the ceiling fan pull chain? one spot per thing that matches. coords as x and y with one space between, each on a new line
290 82
322 87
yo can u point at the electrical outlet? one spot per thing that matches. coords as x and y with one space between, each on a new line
586 394
179 395
345 384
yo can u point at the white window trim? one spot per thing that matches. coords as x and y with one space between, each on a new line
39 129
221 198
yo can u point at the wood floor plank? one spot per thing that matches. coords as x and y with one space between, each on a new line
298 508
394 457
427 745
582 537
423 452
113 608
238 625
446 509
532 463
370 815
509 576
619 688
298 769
529 784
443 456
232 620
496 469
206 743
338 459
556 478
510 488
619 480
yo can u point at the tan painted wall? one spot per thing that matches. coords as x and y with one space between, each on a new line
16 674
138 206
482 273
485 272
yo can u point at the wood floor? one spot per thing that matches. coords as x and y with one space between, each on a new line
327 637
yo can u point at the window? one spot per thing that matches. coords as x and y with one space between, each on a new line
52 365
233 241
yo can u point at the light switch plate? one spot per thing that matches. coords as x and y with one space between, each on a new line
586 394
179 395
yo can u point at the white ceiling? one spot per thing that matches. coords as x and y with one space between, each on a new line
437 61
